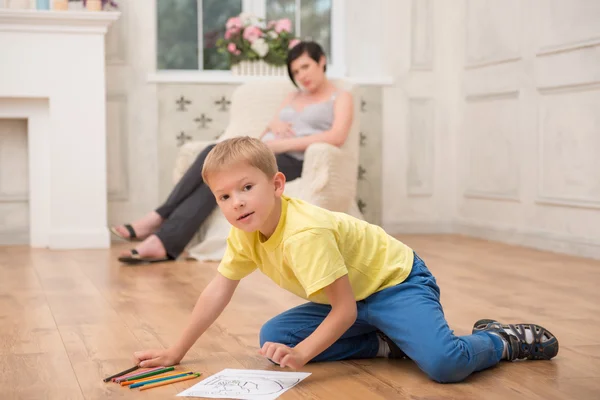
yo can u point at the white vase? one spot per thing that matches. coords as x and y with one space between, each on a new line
257 68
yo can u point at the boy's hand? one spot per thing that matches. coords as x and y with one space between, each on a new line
156 358
283 355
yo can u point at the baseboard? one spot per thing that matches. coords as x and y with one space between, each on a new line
96 239
419 227
533 238
14 238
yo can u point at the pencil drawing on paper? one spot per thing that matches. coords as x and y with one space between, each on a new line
232 386
246 384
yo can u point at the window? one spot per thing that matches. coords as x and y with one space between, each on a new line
187 30
311 19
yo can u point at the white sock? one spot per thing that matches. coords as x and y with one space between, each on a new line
384 348
505 344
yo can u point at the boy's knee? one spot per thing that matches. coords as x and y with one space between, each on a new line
445 370
271 332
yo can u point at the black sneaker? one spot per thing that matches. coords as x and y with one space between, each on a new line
544 346
395 351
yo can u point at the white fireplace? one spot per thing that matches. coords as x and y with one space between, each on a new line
52 73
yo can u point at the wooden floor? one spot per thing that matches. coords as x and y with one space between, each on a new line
70 318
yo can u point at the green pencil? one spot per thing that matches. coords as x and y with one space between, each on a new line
158 371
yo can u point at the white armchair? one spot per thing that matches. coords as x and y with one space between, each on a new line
329 174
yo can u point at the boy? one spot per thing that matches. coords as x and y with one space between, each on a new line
369 294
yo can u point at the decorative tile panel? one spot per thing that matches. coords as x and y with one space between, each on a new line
191 112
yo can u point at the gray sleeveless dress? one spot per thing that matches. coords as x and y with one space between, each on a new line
313 118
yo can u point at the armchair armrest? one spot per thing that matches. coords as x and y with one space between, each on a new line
329 174
187 155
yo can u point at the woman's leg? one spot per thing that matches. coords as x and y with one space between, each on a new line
150 222
290 166
187 185
186 215
189 205
185 220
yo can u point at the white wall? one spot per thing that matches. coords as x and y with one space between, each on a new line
418 155
515 93
531 124
132 117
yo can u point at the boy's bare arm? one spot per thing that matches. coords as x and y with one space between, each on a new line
210 305
341 317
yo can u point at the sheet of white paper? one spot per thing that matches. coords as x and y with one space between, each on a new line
245 384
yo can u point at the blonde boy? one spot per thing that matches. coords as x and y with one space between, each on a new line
368 294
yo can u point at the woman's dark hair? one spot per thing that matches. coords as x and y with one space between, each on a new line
314 51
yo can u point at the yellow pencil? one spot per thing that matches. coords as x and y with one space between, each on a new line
168 382
127 383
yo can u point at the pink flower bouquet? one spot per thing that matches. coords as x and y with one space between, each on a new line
248 38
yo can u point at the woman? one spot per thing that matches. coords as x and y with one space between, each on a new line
317 112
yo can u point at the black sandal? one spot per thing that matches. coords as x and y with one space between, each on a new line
135 258
543 347
132 235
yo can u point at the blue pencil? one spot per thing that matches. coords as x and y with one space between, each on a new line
158 380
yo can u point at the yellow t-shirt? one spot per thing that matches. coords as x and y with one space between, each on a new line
312 247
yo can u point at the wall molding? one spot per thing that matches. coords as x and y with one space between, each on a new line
568 88
574 202
470 65
428 188
477 194
495 95
531 238
503 57
425 10
553 49
548 199
513 196
122 193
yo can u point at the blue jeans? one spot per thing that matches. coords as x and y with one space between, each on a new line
411 315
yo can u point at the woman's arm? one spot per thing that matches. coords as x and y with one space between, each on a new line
343 116
276 123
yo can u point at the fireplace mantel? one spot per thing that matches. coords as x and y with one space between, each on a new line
56 21
52 73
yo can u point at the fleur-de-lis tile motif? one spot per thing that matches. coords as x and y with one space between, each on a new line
219 135
182 138
203 120
223 103
363 139
181 103
362 206
363 105
361 173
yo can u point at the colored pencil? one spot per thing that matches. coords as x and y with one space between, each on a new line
185 378
137 373
160 371
121 373
163 378
127 383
